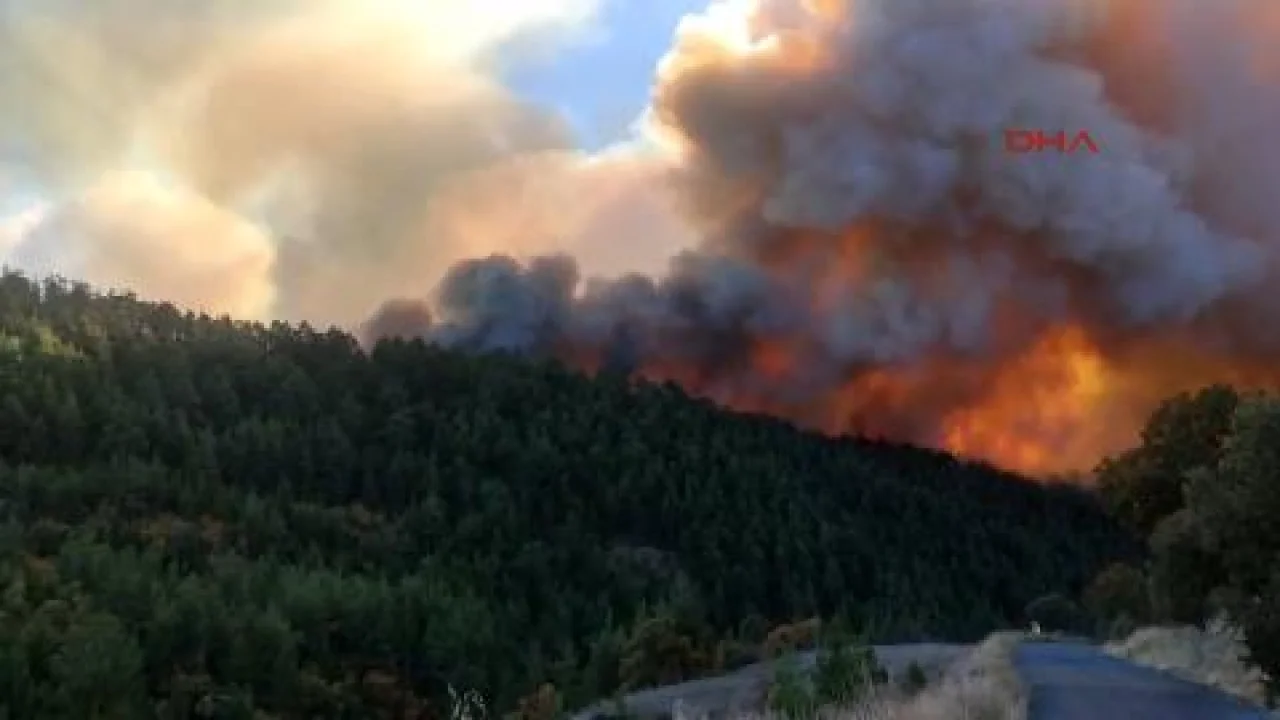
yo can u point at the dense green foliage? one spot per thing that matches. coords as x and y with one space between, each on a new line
208 518
1205 485
1118 597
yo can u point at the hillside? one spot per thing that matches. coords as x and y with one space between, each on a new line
206 516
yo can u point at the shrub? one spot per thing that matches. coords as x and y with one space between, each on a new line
914 679
846 669
791 694
1120 590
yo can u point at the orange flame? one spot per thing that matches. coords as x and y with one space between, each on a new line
1056 405
1039 414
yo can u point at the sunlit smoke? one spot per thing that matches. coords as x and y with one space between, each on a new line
367 144
121 233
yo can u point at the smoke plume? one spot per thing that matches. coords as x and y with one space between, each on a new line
873 259
868 257
282 158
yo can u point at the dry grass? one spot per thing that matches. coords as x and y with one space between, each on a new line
982 685
1210 657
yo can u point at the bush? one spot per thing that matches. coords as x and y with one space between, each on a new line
789 638
738 655
914 679
791 693
542 704
1118 591
1184 571
845 670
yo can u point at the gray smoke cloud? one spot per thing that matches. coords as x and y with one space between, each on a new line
871 257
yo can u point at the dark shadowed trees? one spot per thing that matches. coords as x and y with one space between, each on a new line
1236 505
1144 485
1215 543
201 517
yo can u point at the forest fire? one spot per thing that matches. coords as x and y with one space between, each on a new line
1038 414
874 262
1041 414
850 246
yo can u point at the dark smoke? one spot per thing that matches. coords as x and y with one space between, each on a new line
863 227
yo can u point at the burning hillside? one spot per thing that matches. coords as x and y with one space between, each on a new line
868 256
874 261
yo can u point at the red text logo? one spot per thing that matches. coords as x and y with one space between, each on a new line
1036 141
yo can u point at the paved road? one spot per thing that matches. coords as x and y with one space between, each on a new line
743 690
1079 682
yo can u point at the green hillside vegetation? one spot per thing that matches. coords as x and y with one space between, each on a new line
1203 487
208 518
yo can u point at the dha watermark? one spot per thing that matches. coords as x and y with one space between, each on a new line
1018 141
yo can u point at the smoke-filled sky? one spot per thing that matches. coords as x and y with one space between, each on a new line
307 159
813 216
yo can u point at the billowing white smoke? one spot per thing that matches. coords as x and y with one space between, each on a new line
284 158
124 228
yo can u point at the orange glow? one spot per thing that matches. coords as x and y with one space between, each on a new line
773 360
1033 392
1040 410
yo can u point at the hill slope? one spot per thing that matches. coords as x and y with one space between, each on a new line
198 512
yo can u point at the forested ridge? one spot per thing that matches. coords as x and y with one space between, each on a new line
208 518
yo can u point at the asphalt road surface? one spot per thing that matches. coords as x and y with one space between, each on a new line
1070 681
743 690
